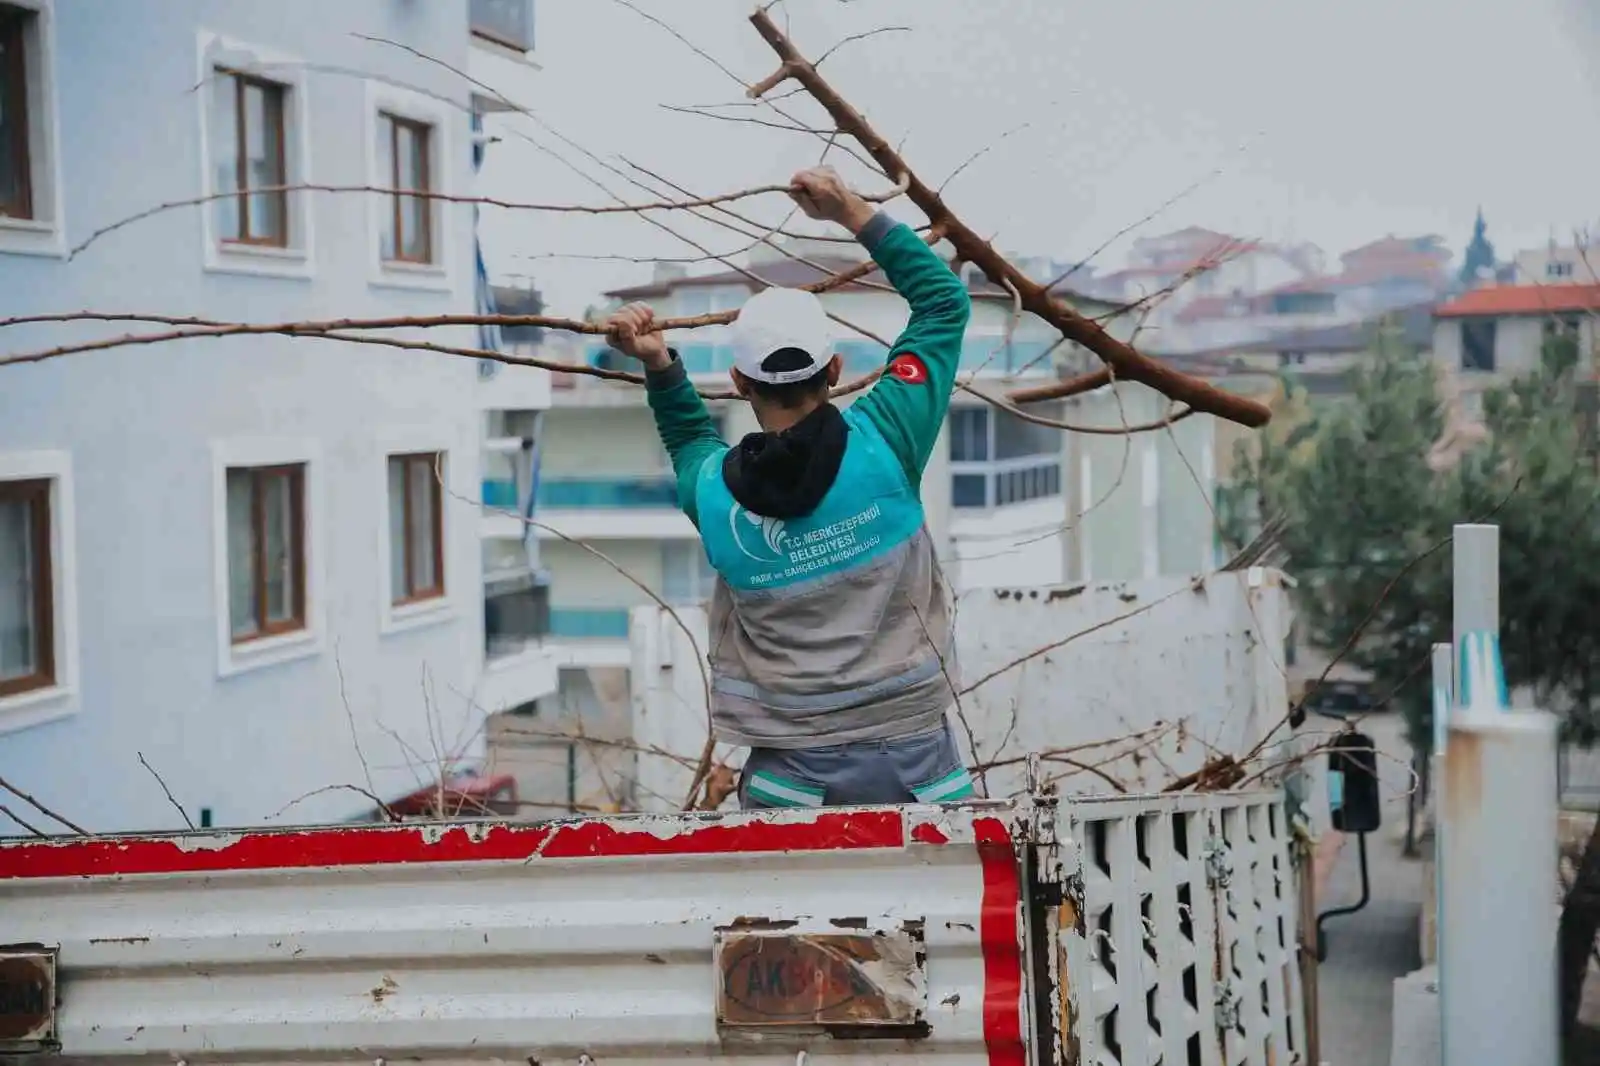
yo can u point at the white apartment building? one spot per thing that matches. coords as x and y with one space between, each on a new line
1558 264
252 566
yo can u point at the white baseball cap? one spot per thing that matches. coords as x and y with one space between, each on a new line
775 319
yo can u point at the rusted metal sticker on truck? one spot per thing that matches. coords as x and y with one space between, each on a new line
837 981
27 1000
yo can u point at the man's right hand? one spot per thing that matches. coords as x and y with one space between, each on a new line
822 194
632 331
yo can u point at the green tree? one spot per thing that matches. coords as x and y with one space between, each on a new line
1359 504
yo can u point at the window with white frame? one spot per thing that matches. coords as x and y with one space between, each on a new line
997 459
254 147
30 219
27 588
250 159
404 154
38 623
1556 269
686 574
408 159
416 528
266 522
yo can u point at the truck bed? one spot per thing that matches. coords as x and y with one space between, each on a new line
994 932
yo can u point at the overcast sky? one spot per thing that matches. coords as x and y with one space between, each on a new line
1335 122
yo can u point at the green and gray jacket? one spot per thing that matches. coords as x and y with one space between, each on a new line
830 620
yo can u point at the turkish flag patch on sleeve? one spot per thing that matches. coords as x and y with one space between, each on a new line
909 369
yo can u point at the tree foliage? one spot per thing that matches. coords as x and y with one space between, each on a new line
1360 504
1367 518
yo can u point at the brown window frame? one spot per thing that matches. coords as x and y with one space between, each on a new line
423 132
14 25
296 622
411 593
37 491
278 96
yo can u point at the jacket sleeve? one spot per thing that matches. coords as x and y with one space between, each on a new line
685 427
909 403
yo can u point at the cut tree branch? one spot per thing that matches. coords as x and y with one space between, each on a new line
1129 364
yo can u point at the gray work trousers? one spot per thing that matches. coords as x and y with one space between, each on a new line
920 768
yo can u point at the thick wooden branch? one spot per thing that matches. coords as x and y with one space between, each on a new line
1124 361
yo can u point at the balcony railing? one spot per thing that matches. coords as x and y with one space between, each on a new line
631 492
507 22
589 623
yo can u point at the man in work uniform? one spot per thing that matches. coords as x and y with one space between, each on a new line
831 629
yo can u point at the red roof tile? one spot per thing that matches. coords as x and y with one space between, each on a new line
1504 300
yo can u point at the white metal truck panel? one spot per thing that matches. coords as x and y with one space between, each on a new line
1184 945
1137 931
538 944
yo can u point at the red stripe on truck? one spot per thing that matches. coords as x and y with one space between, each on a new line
1000 933
482 842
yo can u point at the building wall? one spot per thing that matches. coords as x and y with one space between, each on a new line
580 580
1558 265
601 442
1141 503
1519 341
139 426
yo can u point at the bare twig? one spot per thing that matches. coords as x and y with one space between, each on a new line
170 798
355 737
9 813
41 808
858 37
357 789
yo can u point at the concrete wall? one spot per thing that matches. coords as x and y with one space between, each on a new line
139 427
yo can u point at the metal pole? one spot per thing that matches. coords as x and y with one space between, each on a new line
1497 912
1477 613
